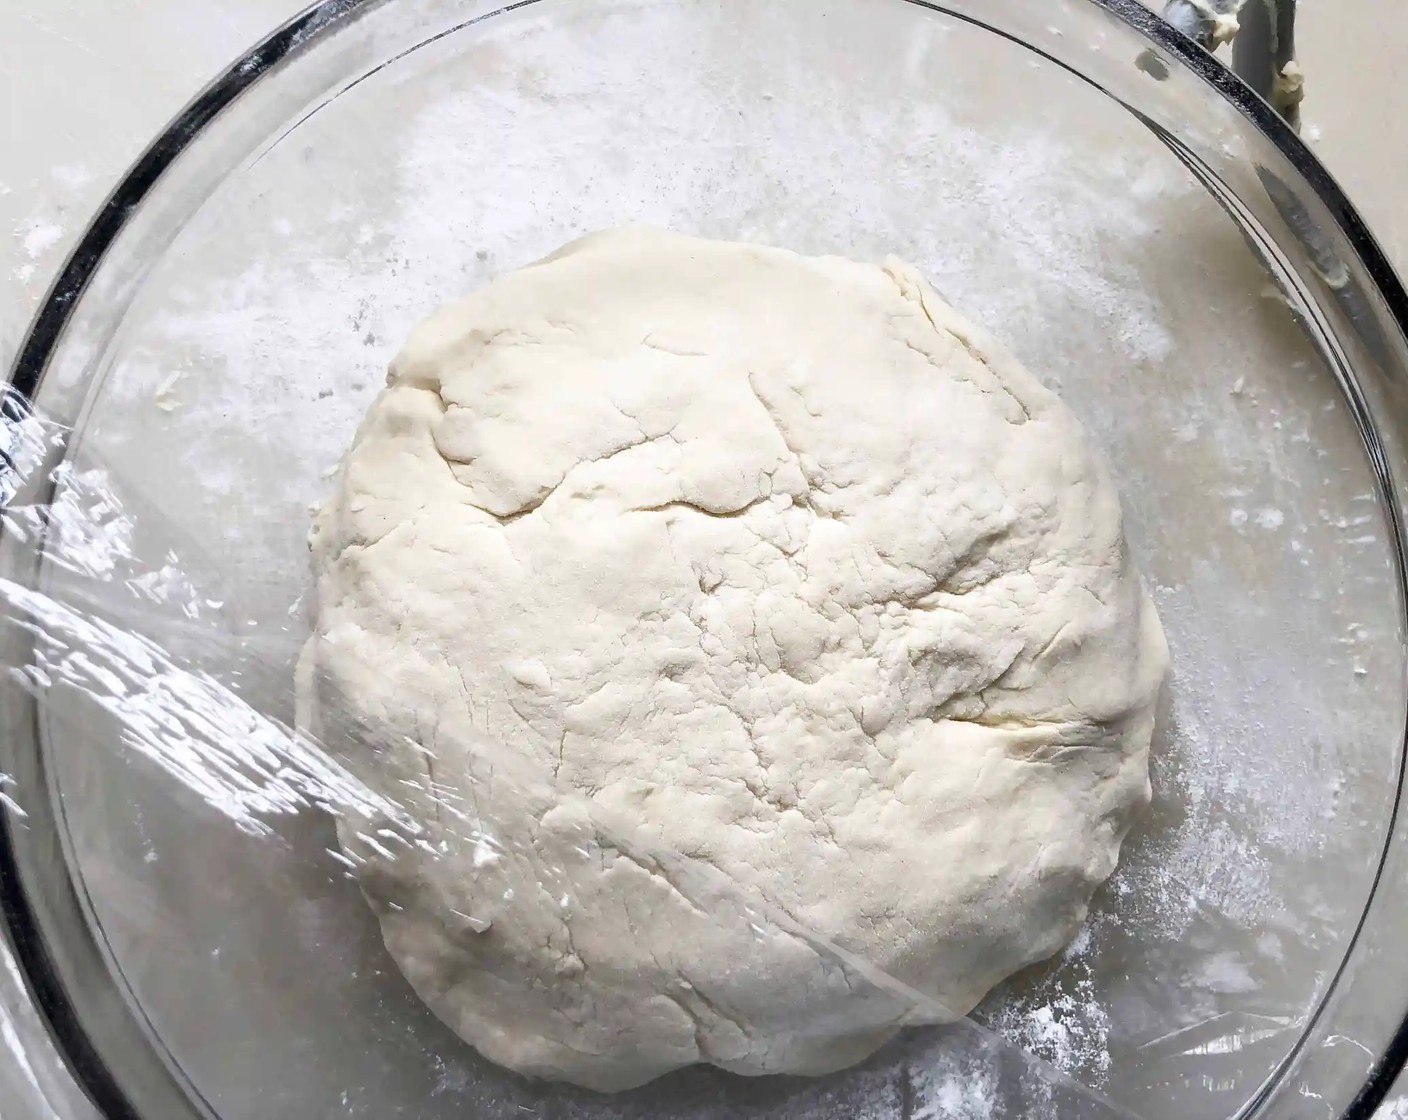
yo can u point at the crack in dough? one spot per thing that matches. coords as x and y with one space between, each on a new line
720 611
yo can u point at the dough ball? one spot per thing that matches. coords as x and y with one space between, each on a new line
755 646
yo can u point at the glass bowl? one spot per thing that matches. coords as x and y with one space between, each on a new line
1146 235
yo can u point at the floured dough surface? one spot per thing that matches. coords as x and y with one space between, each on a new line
726 618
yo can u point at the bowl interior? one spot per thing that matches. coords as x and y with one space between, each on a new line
419 162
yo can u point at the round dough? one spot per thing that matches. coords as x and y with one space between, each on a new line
755 646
